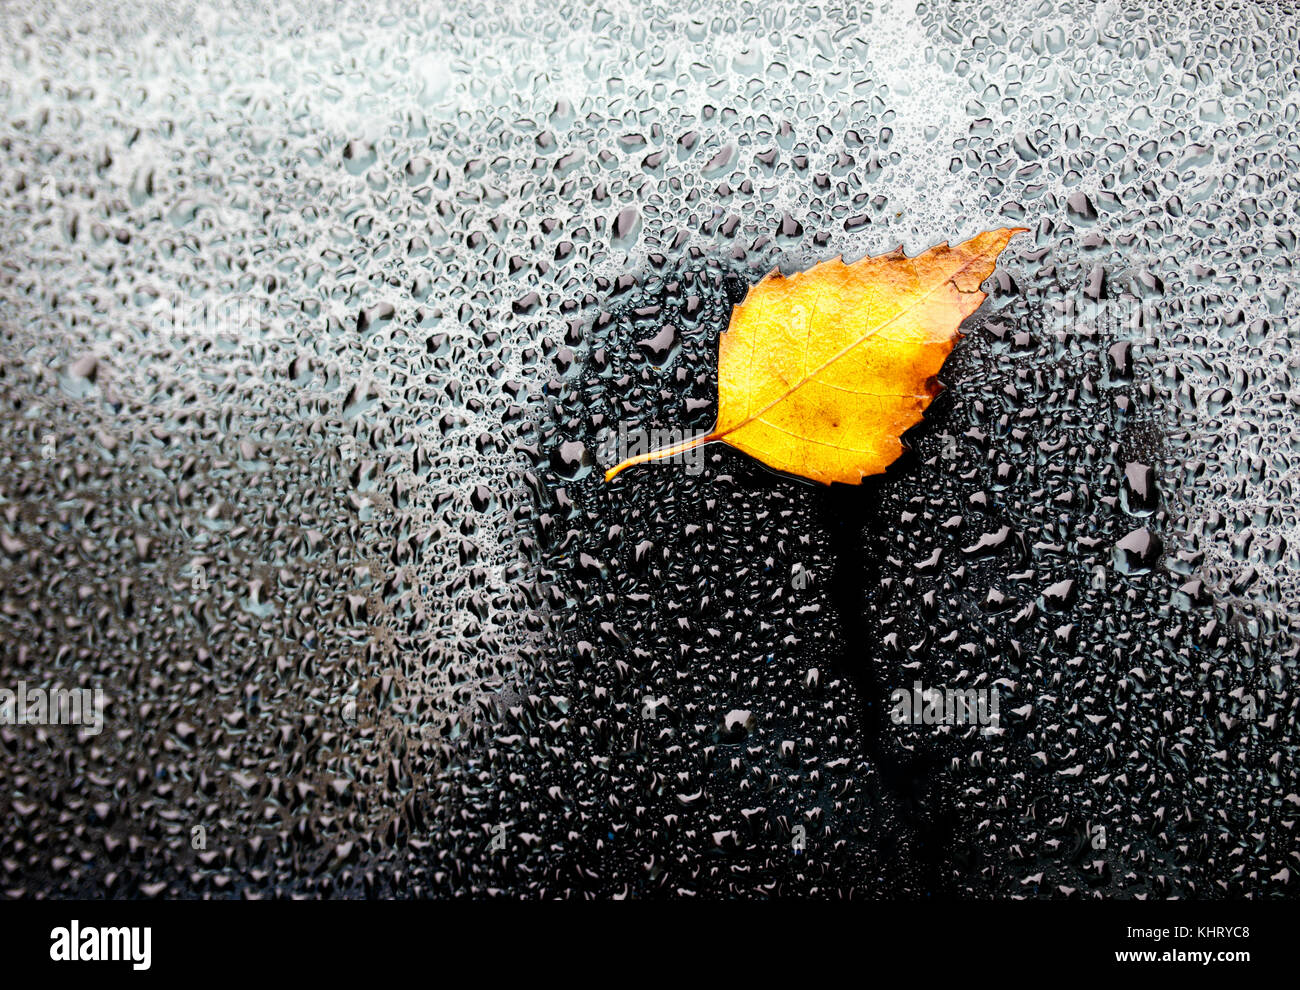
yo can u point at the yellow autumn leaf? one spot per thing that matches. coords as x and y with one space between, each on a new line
821 373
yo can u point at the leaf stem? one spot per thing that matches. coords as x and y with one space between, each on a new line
661 453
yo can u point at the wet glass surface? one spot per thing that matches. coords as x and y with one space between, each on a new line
320 326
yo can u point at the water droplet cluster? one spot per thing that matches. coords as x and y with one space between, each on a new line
314 323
